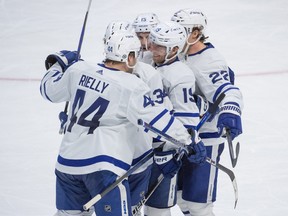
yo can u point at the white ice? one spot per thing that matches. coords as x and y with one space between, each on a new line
251 34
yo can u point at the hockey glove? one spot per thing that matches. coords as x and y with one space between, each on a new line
196 150
64 58
167 162
230 118
202 104
63 117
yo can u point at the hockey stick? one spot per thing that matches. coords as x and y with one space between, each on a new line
233 156
211 111
96 198
160 178
78 56
137 208
208 160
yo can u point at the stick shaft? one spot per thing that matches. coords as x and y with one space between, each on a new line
78 53
118 181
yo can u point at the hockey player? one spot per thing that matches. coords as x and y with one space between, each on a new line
117 26
138 180
143 24
166 42
198 184
106 101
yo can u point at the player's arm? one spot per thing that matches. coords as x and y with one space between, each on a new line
54 85
141 106
212 85
184 106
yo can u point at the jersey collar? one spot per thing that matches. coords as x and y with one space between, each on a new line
208 46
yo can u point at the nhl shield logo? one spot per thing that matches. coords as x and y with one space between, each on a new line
107 208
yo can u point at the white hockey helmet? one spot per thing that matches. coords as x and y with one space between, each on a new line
144 22
117 26
190 19
120 45
169 35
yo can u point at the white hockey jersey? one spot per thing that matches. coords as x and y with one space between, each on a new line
154 81
146 57
179 84
105 104
212 78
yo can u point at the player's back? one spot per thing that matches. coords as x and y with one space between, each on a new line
98 122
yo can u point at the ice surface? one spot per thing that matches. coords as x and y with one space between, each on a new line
252 35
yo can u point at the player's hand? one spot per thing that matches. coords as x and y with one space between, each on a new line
197 154
196 149
202 104
64 58
167 162
230 118
63 117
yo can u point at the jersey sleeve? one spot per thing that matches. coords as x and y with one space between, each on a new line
213 83
214 77
141 106
54 85
181 97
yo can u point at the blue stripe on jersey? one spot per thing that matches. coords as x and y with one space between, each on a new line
113 69
182 114
190 126
233 103
209 135
90 161
45 93
157 118
44 85
230 89
167 126
136 160
57 72
219 90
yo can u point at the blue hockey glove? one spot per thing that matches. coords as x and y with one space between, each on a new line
64 58
63 117
197 153
196 149
202 104
230 118
167 162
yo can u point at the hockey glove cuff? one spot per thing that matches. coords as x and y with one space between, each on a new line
167 162
230 118
64 58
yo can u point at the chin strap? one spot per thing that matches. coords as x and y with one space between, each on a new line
191 44
131 67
